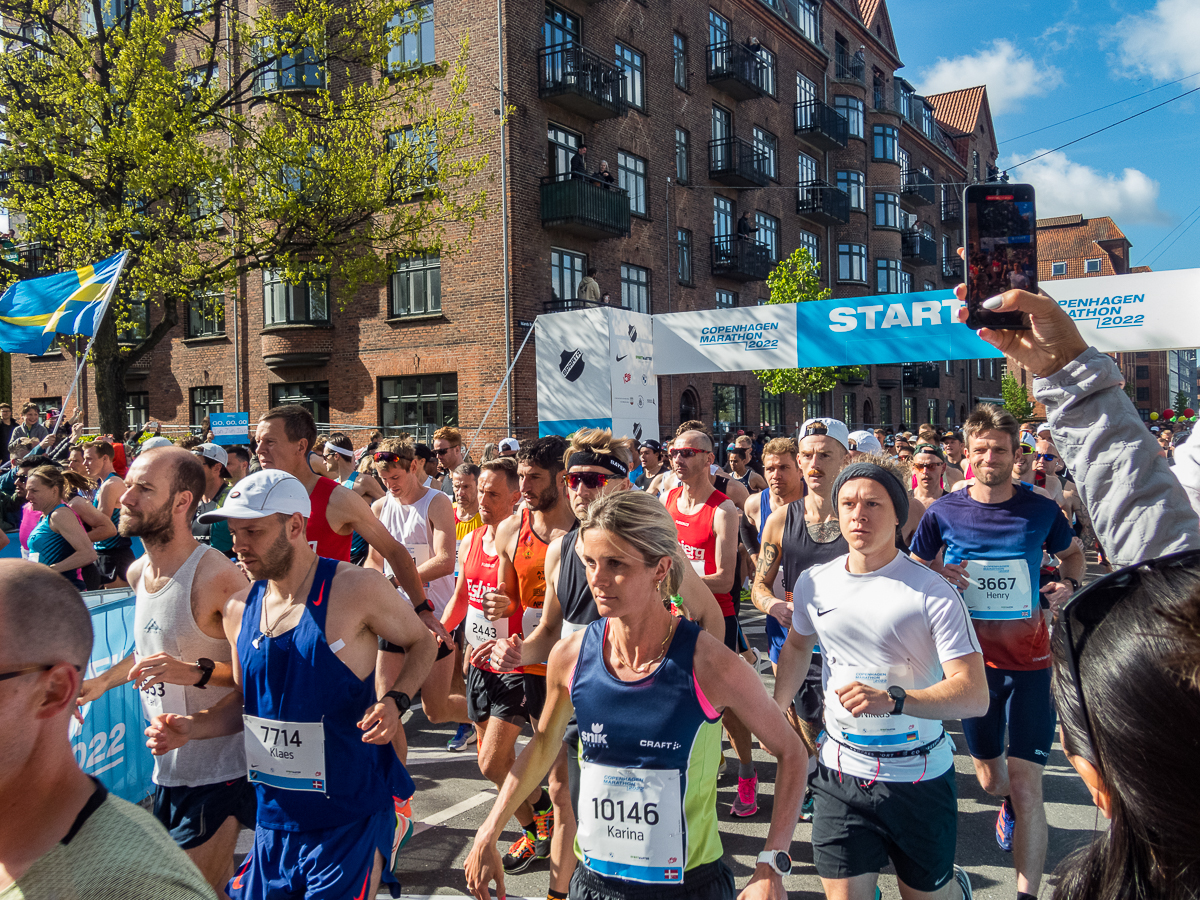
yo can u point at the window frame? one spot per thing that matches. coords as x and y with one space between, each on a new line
767 79
811 242
289 300
392 403
315 399
428 263
768 233
853 187
632 63
887 276
1058 269
723 299
684 270
274 70
682 155
558 270
679 47
198 310
1092 266
885 138
852 252
889 205
418 36
765 142
852 113
196 405
631 175
635 288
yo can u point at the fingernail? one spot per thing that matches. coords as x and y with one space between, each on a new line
994 303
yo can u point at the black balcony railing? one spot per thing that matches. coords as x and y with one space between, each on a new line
951 211
847 67
736 69
821 125
581 81
740 259
952 268
918 189
918 250
822 202
584 206
737 163
569 305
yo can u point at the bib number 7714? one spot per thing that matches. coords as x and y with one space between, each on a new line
286 755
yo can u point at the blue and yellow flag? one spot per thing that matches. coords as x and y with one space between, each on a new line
32 312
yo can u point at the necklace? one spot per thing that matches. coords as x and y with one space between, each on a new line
269 631
647 666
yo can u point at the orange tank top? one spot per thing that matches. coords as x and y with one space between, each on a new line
530 563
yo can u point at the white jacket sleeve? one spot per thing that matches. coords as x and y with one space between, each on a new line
1187 467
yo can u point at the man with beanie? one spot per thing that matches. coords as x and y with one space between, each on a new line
900 655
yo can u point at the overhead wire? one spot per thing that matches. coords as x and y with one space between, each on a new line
1172 244
1173 230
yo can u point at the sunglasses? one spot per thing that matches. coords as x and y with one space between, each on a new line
443 451
16 673
1026 450
1048 457
921 467
589 480
683 453
815 428
387 456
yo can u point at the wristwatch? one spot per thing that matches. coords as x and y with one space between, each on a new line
403 701
1074 583
898 695
778 860
423 606
206 667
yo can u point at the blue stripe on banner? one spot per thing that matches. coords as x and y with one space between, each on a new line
286 783
567 426
644 874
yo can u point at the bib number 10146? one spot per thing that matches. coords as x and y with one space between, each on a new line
616 811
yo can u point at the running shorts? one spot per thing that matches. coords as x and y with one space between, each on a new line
193 814
710 881
113 564
1020 703
496 694
535 695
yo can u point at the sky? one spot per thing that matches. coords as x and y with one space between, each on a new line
1045 62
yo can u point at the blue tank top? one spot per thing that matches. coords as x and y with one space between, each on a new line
358 544
295 677
116 542
48 544
655 723
764 513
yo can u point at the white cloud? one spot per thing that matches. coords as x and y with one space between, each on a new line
1065 188
1162 42
1009 73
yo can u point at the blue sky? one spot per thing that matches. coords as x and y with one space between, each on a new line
1044 62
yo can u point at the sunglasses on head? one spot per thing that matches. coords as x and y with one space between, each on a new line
589 480
683 452
816 428
387 456
1048 457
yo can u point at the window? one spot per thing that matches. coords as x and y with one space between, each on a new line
905 282
631 175
1141 372
852 262
635 288
853 184
566 271
949 412
729 407
910 411
204 206
206 401
887 211
887 276
768 233
807 167
885 409
766 70
283 69
286 304
1091 266
992 369
681 156
722 216
206 314
770 410
979 368
806 95
852 109
807 14
563 144
134 325
718 28
413 48
766 143
948 365
112 14
1058 269
726 300
975 164
683 254
927 121
948 256
1143 393
312 395
137 409
681 75
814 406
559 27
633 84
849 405
689 405
811 243
927 286
418 402
416 285
932 411
887 142
415 164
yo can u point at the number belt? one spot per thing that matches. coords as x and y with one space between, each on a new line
923 750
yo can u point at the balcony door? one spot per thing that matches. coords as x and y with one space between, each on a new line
563 145
559 27
722 217
722 130
806 93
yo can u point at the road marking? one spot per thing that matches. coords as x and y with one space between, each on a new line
424 756
452 811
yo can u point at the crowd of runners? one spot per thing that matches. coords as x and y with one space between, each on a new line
293 601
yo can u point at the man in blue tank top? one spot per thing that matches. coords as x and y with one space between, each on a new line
114 554
305 638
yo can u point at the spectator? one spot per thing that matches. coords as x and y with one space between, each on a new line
489 452
579 163
508 447
7 426
604 175
30 426
745 228
589 290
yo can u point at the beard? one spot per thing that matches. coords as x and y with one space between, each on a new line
993 477
545 500
156 527
277 561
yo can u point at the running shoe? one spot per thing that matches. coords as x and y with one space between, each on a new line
746 803
520 856
1005 823
806 808
964 882
404 829
543 824
464 736
722 766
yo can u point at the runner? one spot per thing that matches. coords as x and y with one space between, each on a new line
957 466
115 554
929 468
739 465
237 463
651 455
466 519
666 479
649 690
57 539
216 489
339 460
899 656
448 449
993 533
305 640
862 443
182 662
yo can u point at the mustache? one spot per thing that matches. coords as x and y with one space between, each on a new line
814 473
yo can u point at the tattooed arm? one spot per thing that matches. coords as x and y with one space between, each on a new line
765 573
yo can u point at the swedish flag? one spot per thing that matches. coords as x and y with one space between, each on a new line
33 311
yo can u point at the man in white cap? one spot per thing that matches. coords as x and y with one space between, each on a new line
863 442
305 638
508 447
216 489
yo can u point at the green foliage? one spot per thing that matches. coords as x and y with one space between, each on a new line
797 279
212 142
1181 402
1016 398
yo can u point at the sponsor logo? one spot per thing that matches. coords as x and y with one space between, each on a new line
619 358
627 378
821 612
596 736
641 401
152 627
644 358
570 363
637 431
660 745
632 334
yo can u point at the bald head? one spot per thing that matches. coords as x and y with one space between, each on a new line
42 617
181 469
695 439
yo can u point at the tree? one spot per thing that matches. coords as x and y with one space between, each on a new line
797 279
211 143
1016 398
1181 402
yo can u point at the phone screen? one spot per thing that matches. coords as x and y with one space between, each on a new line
1001 249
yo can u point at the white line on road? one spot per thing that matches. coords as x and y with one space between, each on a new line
456 810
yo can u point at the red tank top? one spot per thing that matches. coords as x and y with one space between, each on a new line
698 539
481 572
530 563
323 539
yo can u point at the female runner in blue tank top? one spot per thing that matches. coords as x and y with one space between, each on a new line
648 690
58 540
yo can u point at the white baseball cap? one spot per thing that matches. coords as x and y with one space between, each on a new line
212 451
865 441
834 428
509 445
265 493
158 441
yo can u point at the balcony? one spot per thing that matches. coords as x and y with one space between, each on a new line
820 202
921 375
951 210
569 305
918 190
952 269
289 346
918 250
847 67
34 257
740 260
736 69
580 81
737 163
584 207
821 126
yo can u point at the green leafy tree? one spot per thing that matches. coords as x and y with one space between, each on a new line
797 279
212 142
1016 398
1181 402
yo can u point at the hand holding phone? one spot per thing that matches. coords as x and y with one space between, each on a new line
1000 250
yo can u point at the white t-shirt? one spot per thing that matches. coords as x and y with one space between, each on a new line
900 623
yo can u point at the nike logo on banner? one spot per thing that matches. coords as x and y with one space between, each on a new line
821 612
619 358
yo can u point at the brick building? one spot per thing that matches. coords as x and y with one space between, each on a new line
787 112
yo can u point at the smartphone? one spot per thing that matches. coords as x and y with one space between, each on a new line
1001 250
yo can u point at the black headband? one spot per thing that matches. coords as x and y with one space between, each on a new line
604 460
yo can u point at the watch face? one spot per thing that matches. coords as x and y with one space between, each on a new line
783 862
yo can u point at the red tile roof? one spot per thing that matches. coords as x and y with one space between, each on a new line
1074 239
958 111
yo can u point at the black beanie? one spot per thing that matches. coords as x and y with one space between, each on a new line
880 475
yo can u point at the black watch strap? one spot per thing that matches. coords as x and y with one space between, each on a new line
206 667
403 701
423 606
1074 583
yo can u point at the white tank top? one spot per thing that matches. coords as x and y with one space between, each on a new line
164 623
408 523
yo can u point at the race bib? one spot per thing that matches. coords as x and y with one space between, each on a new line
880 732
569 628
420 555
480 628
286 755
999 589
160 699
631 823
529 620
